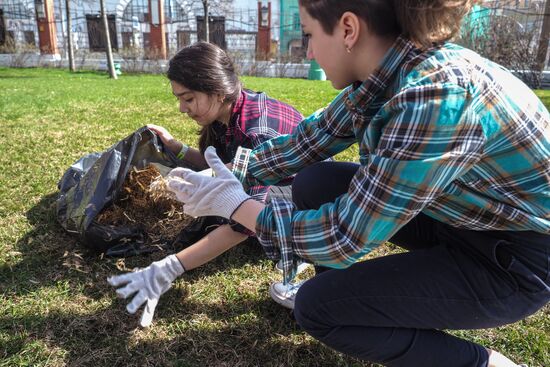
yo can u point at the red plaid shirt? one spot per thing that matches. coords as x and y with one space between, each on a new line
255 119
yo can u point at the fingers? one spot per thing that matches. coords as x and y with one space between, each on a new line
122 279
148 312
180 173
158 129
137 301
185 180
182 189
130 289
216 163
164 135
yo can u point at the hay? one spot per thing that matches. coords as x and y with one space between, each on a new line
145 200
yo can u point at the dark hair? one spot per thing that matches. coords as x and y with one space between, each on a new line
425 22
204 67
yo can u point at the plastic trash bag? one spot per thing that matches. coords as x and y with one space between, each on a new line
93 183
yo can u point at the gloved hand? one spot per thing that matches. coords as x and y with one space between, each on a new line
149 283
207 196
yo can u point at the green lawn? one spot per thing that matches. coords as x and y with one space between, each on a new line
55 306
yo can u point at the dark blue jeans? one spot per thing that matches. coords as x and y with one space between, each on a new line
392 309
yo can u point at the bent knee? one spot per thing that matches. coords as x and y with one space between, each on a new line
306 308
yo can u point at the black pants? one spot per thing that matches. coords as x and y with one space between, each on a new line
391 310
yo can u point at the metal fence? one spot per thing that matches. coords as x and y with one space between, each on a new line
505 31
509 33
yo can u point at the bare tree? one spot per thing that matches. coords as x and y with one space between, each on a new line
109 51
509 41
544 38
70 48
206 22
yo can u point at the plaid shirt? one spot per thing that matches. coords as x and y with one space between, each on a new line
443 132
255 119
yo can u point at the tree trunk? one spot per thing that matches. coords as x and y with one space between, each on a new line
544 38
109 52
206 20
70 52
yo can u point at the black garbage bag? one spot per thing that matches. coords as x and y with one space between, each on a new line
94 182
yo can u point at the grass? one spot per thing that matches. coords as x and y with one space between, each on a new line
55 306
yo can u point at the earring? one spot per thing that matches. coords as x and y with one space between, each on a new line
348 50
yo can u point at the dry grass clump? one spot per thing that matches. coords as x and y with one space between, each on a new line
145 200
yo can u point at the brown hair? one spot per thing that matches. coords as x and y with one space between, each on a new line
425 22
204 67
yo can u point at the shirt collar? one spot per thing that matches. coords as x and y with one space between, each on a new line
361 94
238 105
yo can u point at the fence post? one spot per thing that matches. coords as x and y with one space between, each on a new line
157 37
46 27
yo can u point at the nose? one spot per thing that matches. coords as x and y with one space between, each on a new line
183 107
309 53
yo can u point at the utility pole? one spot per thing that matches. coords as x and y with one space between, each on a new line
109 52
70 52
544 38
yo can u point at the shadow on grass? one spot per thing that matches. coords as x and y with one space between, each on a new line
109 338
50 254
59 296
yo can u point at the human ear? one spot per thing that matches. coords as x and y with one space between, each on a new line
351 26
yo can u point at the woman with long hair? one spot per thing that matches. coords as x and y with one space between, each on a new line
204 80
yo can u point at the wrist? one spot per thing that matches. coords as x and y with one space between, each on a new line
175 265
180 257
234 201
247 213
239 206
181 150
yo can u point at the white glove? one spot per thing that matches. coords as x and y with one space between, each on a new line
149 283
207 196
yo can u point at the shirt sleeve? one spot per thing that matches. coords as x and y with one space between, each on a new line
427 140
318 137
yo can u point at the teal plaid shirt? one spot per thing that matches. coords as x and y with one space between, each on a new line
444 132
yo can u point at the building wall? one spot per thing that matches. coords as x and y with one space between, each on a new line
290 28
241 23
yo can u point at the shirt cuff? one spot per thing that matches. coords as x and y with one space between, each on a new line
240 163
274 231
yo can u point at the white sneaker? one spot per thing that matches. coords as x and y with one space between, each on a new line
301 267
284 294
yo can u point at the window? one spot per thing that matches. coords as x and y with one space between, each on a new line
96 32
146 42
29 38
184 39
126 39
